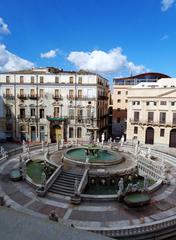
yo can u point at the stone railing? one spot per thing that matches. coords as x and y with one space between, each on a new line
162 229
84 181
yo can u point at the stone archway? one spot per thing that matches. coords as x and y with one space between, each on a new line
172 142
149 136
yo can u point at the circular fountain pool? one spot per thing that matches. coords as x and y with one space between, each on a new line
93 155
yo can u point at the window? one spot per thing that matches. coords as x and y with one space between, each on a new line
70 132
7 91
41 79
32 92
32 112
80 113
135 130
22 113
71 113
126 100
71 80
7 79
41 93
79 80
118 100
79 132
150 116
162 131
8 112
71 93
119 92
56 92
32 79
89 112
56 111
136 116
136 102
147 103
162 117
154 103
174 118
163 103
172 103
126 92
79 93
56 79
42 115
21 79
21 92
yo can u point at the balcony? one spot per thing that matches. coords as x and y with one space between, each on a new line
80 98
22 96
33 96
27 118
57 97
56 118
152 123
8 96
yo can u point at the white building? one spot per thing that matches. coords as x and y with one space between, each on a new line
52 104
151 114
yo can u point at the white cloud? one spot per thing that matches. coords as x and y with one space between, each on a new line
11 62
3 27
49 54
164 37
166 4
104 62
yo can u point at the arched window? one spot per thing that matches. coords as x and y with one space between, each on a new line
70 132
79 132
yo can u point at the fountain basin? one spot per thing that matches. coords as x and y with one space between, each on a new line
137 199
98 156
15 175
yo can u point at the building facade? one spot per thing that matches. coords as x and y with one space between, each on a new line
120 98
50 104
151 114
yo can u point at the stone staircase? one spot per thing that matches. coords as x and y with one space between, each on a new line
64 183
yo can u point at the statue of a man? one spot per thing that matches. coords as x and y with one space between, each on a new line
120 186
122 140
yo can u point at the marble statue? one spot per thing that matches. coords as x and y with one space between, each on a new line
102 138
146 182
129 187
120 186
3 152
122 140
42 146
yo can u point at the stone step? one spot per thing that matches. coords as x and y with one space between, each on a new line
63 186
69 178
65 182
60 191
71 174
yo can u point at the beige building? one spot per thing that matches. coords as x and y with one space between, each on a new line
49 104
151 114
121 87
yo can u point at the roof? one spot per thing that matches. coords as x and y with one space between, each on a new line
148 75
49 70
16 225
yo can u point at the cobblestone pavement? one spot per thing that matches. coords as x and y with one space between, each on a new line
21 196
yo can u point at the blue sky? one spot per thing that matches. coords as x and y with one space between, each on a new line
111 37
